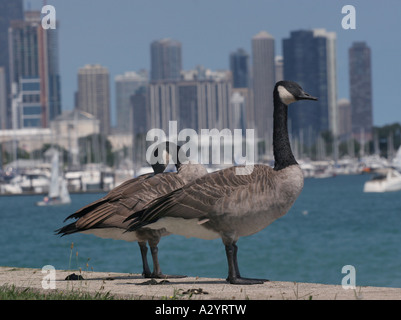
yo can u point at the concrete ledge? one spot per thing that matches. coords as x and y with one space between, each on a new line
133 286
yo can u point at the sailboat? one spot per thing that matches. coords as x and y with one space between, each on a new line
58 191
397 160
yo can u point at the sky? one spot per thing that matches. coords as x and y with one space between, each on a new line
117 34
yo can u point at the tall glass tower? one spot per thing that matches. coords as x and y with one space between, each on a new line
9 10
166 61
94 93
239 66
360 76
33 53
263 84
310 60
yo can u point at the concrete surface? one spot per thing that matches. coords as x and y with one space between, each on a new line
133 286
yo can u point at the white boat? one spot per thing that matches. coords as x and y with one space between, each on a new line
384 180
397 160
36 181
58 191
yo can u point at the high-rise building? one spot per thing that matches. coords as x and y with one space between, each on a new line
344 119
239 66
263 83
166 63
33 53
205 104
162 104
195 104
310 60
139 111
9 10
360 75
3 98
238 109
279 63
94 93
126 85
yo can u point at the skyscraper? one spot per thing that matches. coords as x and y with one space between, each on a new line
344 119
205 104
239 66
3 98
9 10
310 60
166 61
126 86
139 111
263 83
195 104
279 62
33 53
360 75
94 94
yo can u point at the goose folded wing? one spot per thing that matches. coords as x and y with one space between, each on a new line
212 194
131 198
112 196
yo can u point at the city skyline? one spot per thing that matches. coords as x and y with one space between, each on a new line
209 36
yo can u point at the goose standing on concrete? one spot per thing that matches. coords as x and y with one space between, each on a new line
105 217
229 206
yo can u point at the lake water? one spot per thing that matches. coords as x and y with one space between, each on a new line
332 224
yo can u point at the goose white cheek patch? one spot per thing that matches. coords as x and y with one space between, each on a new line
285 95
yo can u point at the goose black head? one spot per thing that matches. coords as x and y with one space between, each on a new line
165 153
157 166
290 91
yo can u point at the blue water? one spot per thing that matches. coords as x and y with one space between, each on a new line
332 224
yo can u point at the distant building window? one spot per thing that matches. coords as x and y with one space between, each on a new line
30 86
32 110
30 98
32 123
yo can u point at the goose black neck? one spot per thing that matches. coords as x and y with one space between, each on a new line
158 168
281 144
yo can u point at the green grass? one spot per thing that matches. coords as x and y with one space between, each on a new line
14 293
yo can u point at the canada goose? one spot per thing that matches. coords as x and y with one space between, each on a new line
105 217
229 206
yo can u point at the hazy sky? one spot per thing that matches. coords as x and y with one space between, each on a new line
118 33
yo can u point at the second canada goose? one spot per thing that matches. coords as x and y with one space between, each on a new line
105 217
229 206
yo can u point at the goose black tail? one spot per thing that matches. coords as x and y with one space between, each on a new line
66 230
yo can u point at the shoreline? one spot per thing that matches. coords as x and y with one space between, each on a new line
134 286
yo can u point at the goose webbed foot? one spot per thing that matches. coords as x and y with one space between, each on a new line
234 276
246 281
165 276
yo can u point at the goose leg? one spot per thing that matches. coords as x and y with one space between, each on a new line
234 276
144 250
157 272
236 260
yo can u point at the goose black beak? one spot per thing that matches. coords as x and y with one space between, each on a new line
306 96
